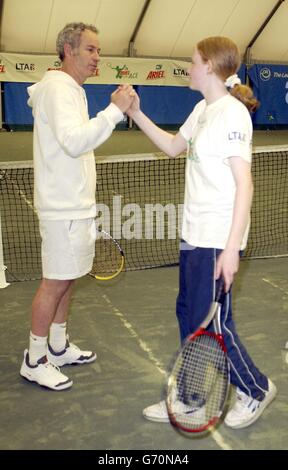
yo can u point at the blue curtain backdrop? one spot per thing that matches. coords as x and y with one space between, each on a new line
16 110
167 105
98 97
242 73
270 85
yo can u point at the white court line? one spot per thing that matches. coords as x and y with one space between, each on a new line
143 345
219 440
133 333
273 284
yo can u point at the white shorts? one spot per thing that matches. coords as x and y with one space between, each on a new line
68 248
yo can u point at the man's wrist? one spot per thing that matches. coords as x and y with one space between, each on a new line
114 113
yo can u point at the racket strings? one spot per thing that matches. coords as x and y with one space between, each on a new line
199 383
108 257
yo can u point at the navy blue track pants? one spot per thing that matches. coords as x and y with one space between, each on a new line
196 292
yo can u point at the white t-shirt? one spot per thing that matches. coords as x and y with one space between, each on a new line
213 133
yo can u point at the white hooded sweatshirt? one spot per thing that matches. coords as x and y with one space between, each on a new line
64 139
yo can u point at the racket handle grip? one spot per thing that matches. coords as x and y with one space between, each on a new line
220 290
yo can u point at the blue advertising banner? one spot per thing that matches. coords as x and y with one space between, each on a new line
270 86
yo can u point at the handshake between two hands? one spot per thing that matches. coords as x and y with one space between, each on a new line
126 99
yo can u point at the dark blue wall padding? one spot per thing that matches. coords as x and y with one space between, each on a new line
270 85
98 97
168 104
16 109
242 73
163 104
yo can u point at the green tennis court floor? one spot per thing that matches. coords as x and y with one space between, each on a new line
131 324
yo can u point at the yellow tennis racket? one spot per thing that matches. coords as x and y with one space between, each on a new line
109 257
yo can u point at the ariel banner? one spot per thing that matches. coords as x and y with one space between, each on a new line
111 70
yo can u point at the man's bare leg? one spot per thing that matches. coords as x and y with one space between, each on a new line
50 304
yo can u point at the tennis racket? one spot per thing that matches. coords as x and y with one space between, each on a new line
109 257
199 381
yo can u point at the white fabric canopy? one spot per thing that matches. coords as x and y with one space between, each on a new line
170 28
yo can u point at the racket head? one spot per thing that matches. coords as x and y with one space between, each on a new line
198 383
109 257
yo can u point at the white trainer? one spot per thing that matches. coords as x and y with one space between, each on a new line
247 410
44 373
70 355
159 412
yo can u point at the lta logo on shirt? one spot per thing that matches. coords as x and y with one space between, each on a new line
235 135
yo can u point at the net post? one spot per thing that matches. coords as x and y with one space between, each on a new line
3 282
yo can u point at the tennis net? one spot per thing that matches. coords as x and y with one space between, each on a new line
140 202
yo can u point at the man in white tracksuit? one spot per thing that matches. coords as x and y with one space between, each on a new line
64 197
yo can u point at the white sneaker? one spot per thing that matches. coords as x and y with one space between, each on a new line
70 355
247 410
159 412
44 373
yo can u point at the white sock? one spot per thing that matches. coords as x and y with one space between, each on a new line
37 347
57 336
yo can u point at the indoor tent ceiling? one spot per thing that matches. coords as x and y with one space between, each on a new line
158 28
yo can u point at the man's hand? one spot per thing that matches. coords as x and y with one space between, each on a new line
123 97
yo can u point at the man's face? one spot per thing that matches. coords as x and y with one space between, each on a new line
86 55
